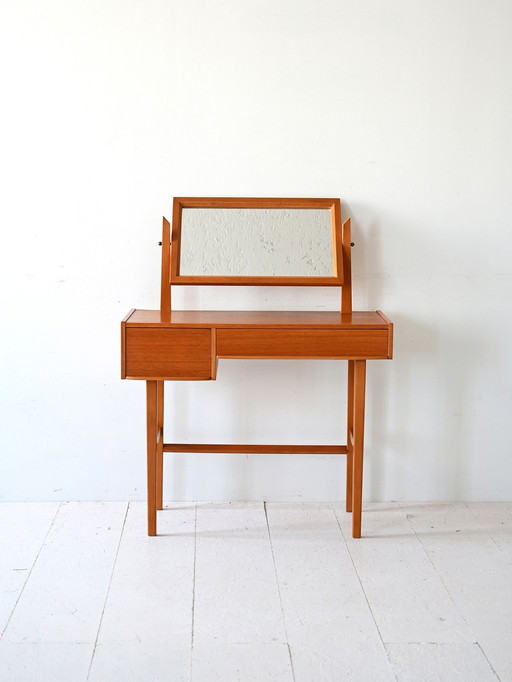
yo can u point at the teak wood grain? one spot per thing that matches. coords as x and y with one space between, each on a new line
251 449
165 344
153 353
313 319
302 343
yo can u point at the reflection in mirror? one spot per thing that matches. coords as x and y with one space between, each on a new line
260 242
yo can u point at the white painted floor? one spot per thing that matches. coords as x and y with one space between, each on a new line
252 592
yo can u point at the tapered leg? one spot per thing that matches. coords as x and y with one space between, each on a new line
160 443
350 431
358 445
151 430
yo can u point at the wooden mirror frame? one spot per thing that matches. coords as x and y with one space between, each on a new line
180 203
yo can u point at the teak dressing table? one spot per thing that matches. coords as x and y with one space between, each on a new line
185 345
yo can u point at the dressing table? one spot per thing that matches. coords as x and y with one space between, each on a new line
252 242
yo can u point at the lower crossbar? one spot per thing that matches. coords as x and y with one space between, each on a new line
257 449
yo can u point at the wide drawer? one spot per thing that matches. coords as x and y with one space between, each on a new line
302 343
159 353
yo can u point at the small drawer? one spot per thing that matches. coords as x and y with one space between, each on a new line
163 353
302 343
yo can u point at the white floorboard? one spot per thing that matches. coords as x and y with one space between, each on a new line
234 662
495 519
236 598
144 661
150 595
408 597
146 628
348 662
44 661
23 530
498 650
475 570
248 591
323 604
64 596
440 662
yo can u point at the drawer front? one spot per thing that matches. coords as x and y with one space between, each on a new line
153 353
302 343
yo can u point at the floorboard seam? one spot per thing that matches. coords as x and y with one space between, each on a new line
480 524
278 589
30 572
437 572
488 661
108 590
193 594
364 591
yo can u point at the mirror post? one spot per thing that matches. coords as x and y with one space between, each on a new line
165 291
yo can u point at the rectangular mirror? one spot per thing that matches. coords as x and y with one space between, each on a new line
256 241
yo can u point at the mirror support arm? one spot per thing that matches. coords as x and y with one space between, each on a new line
165 290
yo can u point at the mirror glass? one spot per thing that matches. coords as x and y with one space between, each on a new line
260 242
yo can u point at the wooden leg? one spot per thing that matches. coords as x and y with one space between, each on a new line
151 430
159 453
358 433
350 431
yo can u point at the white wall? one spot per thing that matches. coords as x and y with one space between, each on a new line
401 108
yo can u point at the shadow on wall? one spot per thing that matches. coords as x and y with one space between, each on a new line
420 408
423 412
